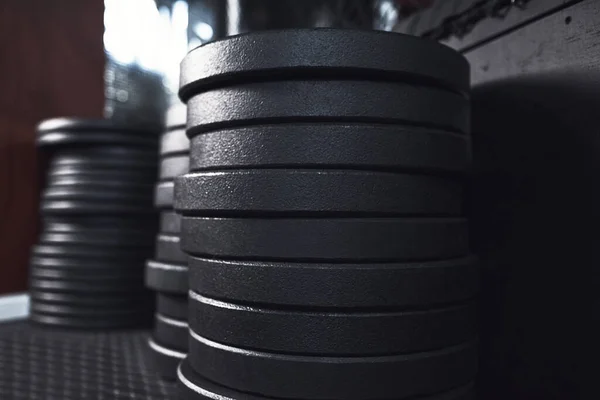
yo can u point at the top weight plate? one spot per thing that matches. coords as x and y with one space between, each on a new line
322 53
75 131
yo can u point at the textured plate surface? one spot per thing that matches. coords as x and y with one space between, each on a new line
174 142
171 333
364 285
167 277
364 239
170 223
163 195
174 306
312 377
333 332
171 167
309 52
313 192
194 387
365 146
342 101
168 250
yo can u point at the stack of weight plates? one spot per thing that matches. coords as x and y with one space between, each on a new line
98 225
323 217
167 273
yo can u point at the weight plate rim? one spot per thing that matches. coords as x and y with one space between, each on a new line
306 46
347 102
217 362
402 284
331 332
190 389
318 239
368 147
253 192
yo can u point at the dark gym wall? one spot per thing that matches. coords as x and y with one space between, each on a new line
51 64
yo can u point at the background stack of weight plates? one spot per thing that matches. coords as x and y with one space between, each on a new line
98 225
323 218
167 273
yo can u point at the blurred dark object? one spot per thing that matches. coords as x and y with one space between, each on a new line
252 15
535 206
52 64
134 96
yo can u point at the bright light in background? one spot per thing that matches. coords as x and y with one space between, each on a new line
134 32
204 31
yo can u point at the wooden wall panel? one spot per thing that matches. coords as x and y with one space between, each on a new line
51 64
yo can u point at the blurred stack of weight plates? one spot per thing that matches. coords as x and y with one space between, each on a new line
167 273
323 217
98 223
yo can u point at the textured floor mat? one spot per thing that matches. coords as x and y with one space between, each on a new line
42 363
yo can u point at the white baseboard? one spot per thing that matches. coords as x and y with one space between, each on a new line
14 306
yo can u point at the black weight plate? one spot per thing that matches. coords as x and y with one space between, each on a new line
165 360
100 225
322 52
106 322
64 192
106 157
95 253
331 145
77 207
77 310
86 265
168 250
91 284
163 195
100 300
171 333
358 239
172 167
327 101
170 223
96 239
193 386
314 377
104 184
82 273
87 172
74 131
167 277
174 142
365 285
176 117
174 306
333 332
315 192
